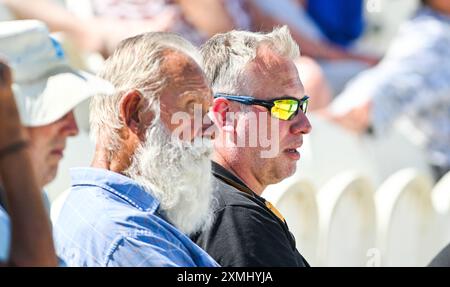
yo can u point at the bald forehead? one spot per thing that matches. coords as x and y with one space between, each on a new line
176 62
184 77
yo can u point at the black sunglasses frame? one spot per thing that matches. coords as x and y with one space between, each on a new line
248 100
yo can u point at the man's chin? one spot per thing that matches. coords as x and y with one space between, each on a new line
290 171
284 170
49 176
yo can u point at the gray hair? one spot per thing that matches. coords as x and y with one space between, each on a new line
134 65
226 55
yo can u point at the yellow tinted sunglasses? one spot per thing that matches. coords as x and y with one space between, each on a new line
285 108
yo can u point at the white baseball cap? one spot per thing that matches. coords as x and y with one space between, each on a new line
45 86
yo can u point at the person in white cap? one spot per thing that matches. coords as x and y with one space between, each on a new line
46 91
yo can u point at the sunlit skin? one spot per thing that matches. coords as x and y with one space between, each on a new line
442 6
47 144
186 88
268 76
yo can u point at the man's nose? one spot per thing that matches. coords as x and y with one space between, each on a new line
69 125
301 124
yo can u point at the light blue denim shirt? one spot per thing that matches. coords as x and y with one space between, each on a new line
109 220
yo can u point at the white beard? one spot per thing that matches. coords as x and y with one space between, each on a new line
178 174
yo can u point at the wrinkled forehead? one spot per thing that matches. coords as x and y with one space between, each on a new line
270 75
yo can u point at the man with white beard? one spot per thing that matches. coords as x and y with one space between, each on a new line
148 187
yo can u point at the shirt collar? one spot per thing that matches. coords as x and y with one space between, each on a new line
226 176
120 185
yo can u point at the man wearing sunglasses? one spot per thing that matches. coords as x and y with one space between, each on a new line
257 88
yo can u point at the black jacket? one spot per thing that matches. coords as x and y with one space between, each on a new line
245 232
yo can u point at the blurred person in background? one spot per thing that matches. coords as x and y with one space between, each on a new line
253 75
25 231
147 187
113 21
412 82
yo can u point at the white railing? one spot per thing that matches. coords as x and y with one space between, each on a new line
398 225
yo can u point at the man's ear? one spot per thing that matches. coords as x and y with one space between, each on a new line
133 112
220 108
